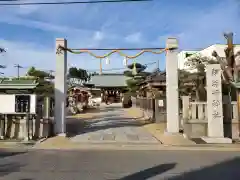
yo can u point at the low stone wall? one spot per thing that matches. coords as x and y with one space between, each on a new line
195 119
196 129
24 127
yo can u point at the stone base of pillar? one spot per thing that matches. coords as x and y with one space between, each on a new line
217 140
166 132
62 135
172 134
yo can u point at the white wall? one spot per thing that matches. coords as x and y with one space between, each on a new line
8 103
182 58
219 48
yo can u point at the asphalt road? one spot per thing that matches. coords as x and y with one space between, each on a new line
118 165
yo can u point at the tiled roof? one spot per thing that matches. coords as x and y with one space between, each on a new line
156 77
18 84
108 80
16 81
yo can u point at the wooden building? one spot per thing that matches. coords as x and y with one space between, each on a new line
110 86
154 85
18 96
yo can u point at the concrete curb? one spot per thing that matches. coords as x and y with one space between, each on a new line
140 148
41 140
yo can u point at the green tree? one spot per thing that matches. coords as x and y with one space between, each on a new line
136 75
44 87
37 73
194 81
78 75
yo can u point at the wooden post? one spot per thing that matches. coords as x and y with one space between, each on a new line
238 103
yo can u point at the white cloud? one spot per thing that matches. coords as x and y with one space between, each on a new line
88 26
41 25
31 54
25 54
134 38
98 36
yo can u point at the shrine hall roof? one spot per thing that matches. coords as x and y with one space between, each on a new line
108 80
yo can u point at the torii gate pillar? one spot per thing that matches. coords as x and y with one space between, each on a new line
60 88
172 86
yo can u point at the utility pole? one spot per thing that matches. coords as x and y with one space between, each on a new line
158 69
18 69
2 50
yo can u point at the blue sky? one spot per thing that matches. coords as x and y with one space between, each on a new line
28 32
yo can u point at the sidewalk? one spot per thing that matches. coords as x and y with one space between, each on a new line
62 143
158 131
122 129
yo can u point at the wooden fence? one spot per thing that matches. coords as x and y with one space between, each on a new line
154 109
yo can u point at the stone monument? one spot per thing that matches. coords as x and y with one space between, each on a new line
215 106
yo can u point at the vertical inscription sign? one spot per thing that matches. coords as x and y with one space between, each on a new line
214 101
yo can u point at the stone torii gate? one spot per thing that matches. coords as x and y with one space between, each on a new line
171 82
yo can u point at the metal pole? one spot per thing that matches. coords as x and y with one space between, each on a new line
158 64
100 66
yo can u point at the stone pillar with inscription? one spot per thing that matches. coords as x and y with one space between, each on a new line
215 106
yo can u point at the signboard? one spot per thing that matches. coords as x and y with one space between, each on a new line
160 103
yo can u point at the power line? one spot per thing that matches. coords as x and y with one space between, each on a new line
68 3
114 69
120 49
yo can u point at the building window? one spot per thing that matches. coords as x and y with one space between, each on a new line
22 103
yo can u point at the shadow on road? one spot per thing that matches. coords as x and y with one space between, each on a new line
224 170
149 173
99 110
77 127
9 166
6 153
99 121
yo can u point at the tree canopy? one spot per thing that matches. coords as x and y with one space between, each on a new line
193 80
44 87
32 71
78 74
136 75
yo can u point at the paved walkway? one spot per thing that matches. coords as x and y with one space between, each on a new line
111 124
